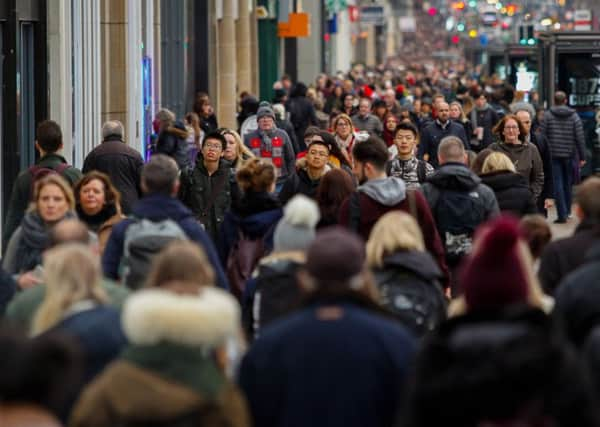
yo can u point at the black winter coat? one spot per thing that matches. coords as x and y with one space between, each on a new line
302 115
565 255
512 192
298 182
123 165
198 189
577 298
433 134
541 143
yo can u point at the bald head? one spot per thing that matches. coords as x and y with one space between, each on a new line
451 149
69 231
112 130
443 111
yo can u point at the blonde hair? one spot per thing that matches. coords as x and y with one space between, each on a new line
395 231
180 261
60 182
535 298
497 161
72 274
243 153
463 116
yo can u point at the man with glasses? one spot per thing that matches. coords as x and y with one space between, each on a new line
208 189
309 169
271 144
405 164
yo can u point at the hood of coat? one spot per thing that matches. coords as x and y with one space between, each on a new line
454 176
420 263
504 180
562 111
206 319
386 191
157 207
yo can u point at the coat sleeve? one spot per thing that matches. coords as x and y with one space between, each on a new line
433 242
198 235
16 207
113 251
546 156
10 262
579 137
549 272
423 145
537 173
290 158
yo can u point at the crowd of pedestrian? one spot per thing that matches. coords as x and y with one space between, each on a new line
372 249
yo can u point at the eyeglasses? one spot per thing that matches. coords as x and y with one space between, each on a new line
318 153
214 147
512 127
342 124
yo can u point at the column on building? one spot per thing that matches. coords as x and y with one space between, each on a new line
243 38
226 62
113 24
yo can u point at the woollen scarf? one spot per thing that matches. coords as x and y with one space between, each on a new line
34 240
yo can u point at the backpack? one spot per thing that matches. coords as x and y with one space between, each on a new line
277 293
418 304
143 240
457 215
243 259
38 172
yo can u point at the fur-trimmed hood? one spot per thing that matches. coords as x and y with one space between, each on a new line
207 319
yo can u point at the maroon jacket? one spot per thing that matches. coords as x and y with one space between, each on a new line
371 210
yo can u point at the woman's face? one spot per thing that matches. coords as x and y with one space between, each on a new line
231 152
92 197
511 132
391 124
454 112
52 205
343 129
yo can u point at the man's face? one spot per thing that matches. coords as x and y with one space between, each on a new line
405 141
364 107
480 102
266 123
443 112
317 154
358 169
525 119
348 101
212 150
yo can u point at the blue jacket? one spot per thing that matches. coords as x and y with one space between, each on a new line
326 372
157 207
99 335
432 135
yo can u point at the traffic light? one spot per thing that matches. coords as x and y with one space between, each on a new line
526 36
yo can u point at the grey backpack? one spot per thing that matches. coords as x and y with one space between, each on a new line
143 240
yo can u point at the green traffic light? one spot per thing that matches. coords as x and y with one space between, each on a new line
531 42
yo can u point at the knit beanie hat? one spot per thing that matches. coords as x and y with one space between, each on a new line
296 230
493 275
335 256
265 110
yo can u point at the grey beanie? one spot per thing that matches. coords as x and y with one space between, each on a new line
296 230
265 110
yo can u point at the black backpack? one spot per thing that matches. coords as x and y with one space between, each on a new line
277 293
418 304
457 214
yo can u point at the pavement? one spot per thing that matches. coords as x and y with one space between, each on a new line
560 231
